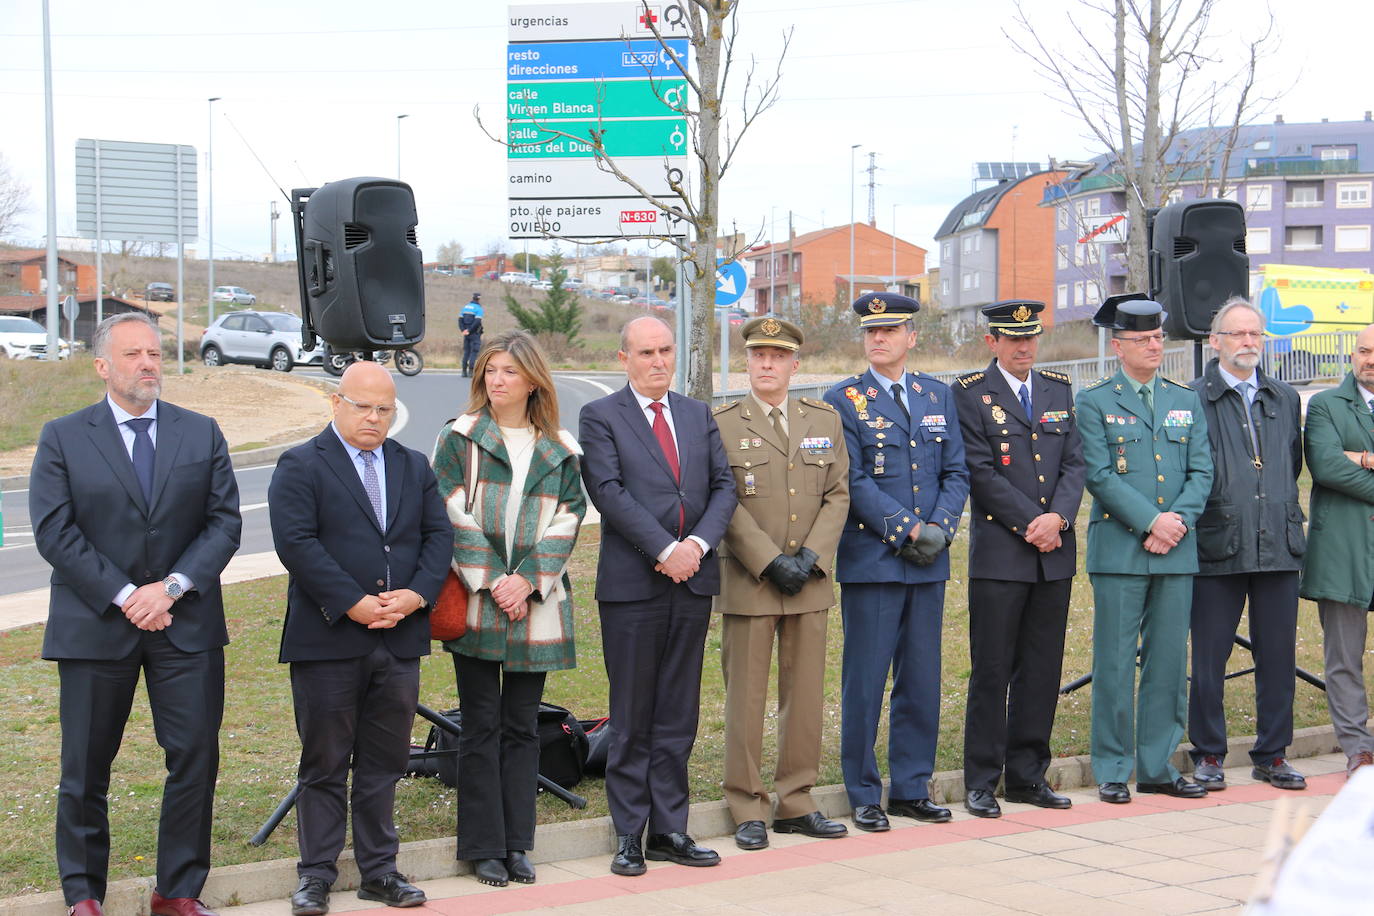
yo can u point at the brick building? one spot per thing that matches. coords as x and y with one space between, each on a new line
22 271
814 267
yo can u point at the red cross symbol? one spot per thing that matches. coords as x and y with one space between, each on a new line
649 18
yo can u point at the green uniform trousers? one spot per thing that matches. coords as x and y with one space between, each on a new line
1152 612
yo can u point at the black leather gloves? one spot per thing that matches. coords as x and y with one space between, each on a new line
785 574
929 544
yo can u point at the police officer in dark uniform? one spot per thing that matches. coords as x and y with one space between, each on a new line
470 326
907 486
1025 465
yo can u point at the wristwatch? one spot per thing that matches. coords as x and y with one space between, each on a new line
172 588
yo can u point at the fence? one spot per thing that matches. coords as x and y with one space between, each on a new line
1298 360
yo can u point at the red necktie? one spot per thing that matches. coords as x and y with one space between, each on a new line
665 442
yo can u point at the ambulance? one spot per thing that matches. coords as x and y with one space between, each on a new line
1305 310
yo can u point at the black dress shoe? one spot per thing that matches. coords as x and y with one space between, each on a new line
311 897
1179 788
982 803
679 848
814 824
1208 773
922 809
519 866
1114 793
871 818
751 835
491 871
1040 795
393 890
1280 774
629 856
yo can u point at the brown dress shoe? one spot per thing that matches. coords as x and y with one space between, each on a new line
86 908
1362 759
177 906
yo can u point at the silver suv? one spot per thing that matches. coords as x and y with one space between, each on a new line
268 339
235 294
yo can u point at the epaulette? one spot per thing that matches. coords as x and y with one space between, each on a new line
1098 384
1056 376
814 402
1172 382
966 380
724 407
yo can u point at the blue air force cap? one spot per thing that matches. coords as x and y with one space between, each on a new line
1130 312
878 310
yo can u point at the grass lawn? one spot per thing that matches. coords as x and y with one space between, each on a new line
35 391
259 747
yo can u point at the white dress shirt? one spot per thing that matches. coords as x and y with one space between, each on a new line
648 414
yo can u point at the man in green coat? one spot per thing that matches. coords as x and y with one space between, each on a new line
1338 570
1149 469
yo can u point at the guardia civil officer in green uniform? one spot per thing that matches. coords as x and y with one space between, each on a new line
1149 469
791 472
1025 465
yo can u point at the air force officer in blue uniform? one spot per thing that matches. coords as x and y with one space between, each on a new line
907 483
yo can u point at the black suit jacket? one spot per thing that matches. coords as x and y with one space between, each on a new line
1019 468
92 524
329 541
631 485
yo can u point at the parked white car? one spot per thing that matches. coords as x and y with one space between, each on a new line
518 277
24 338
235 294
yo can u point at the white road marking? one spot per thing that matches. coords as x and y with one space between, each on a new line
591 381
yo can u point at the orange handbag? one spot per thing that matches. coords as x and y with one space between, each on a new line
448 619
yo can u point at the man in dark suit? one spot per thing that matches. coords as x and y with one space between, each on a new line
134 504
1025 465
359 524
654 467
907 486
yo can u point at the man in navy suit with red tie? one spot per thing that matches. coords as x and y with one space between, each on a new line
654 467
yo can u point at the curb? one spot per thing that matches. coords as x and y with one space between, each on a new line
424 860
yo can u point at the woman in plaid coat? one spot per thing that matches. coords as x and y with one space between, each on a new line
511 552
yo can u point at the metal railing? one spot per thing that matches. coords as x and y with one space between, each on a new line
1294 359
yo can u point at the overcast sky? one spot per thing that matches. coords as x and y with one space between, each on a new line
313 90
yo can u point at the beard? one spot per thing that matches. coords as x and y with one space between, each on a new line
1246 359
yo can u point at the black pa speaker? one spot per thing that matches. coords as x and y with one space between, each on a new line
1197 262
361 279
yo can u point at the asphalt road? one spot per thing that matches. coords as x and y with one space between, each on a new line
429 400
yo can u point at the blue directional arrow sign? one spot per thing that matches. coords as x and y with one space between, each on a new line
731 282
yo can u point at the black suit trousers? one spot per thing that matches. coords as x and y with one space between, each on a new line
186 695
358 711
498 757
1217 605
653 651
1016 641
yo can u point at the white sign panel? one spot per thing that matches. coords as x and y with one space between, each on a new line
589 217
1109 229
584 21
541 178
134 190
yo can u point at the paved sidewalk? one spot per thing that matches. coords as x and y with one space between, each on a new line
1156 855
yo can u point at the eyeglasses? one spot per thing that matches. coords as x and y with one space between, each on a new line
385 412
1144 340
1242 335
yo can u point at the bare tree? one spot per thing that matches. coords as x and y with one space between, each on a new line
451 252
715 136
14 199
1139 74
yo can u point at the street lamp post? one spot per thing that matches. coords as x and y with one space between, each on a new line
209 208
399 119
893 286
851 219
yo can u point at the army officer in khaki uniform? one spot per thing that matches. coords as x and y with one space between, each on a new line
792 477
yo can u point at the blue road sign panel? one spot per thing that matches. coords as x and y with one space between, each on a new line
593 60
731 282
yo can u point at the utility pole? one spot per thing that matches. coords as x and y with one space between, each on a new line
273 222
872 185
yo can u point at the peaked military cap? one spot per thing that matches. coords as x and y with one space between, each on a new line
1015 317
881 309
771 331
1130 312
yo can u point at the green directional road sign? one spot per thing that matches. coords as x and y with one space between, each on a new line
551 101
563 140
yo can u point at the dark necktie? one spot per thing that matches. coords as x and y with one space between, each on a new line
776 416
664 435
901 405
143 455
1147 395
373 486
1025 402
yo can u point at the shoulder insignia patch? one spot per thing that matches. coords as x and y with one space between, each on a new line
1056 376
1172 382
724 407
1097 384
966 380
815 402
